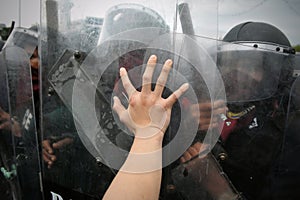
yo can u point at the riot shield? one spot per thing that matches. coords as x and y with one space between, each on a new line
97 126
286 171
22 166
81 76
203 178
257 145
253 76
10 187
123 42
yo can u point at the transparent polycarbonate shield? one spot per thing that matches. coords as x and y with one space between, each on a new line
61 135
22 124
251 71
199 71
24 38
203 178
288 172
68 27
78 25
129 33
85 43
9 180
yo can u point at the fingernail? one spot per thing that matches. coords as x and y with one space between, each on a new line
169 61
185 86
122 71
152 57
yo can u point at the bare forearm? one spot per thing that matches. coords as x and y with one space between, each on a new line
145 183
130 186
148 116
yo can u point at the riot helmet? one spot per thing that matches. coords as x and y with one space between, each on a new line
252 59
125 17
24 38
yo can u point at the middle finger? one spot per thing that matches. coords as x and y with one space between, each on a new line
163 77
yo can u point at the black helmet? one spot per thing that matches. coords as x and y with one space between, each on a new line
252 61
257 31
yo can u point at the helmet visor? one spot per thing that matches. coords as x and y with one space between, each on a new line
249 73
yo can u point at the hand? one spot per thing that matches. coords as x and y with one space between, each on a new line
49 149
48 153
191 152
209 114
148 114
10 124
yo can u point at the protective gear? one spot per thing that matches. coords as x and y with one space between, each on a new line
253 61
23 135
10 184
120 21
125 17
286 170
214 184
129 47
257 32
24 38
74 70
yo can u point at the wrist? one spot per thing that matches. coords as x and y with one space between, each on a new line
147 144
148 134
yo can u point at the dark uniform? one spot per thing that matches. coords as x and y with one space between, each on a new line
254 137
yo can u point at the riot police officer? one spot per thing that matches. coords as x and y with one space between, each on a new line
255 62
